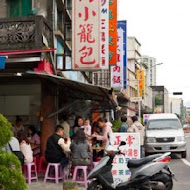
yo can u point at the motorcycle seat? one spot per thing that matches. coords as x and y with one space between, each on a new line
139 162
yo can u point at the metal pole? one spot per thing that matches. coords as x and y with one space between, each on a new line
154 101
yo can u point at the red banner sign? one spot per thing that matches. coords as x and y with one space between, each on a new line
112 32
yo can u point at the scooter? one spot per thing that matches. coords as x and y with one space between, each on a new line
150 173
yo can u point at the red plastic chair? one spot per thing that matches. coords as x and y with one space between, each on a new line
42 165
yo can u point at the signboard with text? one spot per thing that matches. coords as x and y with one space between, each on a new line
135 99
141 79
112 32
131 150
86 35
104 34
2 62
117 70
122 24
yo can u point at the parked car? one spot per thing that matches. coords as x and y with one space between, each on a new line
164 133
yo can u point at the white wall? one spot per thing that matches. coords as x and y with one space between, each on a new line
175 105
23 100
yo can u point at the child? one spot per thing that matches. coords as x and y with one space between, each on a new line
87 127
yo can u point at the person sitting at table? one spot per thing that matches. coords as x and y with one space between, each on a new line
57 147
34 139
80 149
25 147
106 130
79 122
65 125
12 144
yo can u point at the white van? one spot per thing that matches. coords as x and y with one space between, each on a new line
164 133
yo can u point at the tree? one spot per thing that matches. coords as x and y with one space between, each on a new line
116 125
11 177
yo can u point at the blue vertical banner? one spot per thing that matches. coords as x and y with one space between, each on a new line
123 25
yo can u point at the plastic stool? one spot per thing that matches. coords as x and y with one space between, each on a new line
94 164
37 157
84 181
42 165
29 171
58 175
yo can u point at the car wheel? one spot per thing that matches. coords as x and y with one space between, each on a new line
184 154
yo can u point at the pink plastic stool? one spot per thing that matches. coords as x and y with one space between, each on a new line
95 163
42 165
29 171
59 172
84 169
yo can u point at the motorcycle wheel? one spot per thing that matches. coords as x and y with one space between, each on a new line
168 184
95 185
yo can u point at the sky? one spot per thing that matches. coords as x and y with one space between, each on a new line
163 29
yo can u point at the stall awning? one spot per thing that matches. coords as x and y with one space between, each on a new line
80 90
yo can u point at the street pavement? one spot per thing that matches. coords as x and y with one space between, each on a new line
181 169
48 185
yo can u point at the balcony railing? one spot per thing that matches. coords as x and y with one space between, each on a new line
24 33
101 78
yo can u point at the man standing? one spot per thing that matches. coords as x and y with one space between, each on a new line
137 127
18 126
106 130
56 147
123 128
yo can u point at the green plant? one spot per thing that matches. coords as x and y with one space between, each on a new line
69 184
11 177
116 125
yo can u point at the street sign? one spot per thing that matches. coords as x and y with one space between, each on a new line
135 99
2 62
146 117
177 93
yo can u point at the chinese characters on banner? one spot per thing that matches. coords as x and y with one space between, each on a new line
117 70
120 171
141 79
104 34
112 32
123 25
86 34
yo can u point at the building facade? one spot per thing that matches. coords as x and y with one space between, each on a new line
133 64
150 62
160 99
37 82
176 105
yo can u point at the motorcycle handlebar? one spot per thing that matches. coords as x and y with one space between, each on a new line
119 152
